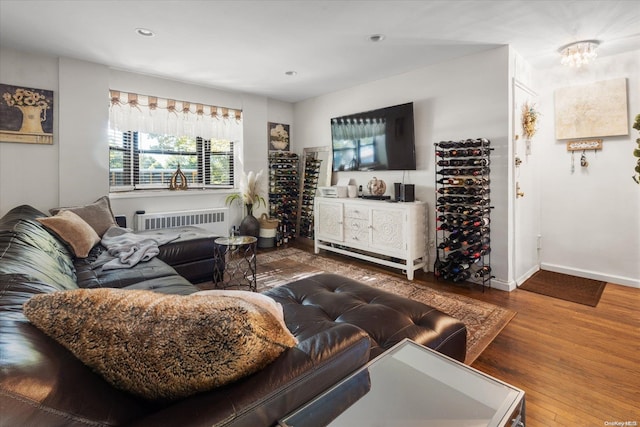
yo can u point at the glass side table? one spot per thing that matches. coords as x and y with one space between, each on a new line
239 268
412 385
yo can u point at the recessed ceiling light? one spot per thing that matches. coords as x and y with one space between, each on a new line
291 73
145 32
377 38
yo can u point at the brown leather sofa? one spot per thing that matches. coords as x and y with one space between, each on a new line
338 322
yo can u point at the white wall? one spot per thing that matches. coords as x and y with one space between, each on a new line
29 172
74 170
463 98
590 220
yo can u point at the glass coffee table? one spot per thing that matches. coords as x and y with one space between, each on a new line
410 386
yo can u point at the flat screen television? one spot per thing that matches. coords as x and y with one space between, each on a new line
380 139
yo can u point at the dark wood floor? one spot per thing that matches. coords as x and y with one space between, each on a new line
579 365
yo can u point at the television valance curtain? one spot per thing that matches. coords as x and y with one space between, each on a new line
150 114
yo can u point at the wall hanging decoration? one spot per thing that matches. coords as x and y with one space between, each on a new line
278 137
529 120
582 145
636 151
596 109
26 115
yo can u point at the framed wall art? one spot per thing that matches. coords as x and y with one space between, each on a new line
26 115
592 110
279 137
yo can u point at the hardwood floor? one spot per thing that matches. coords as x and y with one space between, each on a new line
579 365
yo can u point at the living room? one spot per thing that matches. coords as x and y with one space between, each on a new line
583 223
72 172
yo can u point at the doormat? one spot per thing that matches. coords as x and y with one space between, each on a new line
565 287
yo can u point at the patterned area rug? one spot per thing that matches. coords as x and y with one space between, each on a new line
484 321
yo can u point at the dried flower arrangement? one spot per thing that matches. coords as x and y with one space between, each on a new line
529 120
249 190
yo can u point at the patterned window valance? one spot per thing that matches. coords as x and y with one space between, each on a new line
150 114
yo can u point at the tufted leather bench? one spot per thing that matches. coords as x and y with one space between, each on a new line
311 304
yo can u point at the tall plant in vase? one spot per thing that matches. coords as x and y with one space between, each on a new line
249 196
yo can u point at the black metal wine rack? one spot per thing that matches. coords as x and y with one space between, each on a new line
463 211
308 189
283 193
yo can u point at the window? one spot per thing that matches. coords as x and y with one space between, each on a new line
149 138
139 160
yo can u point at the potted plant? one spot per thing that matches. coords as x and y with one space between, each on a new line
249 196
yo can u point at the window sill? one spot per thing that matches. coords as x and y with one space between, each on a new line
139 194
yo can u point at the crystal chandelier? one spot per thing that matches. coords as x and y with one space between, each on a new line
579 53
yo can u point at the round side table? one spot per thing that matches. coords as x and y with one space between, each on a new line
239 268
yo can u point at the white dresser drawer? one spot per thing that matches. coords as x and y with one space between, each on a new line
358 212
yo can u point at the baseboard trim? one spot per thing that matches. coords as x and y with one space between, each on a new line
502 285
618 280
533 270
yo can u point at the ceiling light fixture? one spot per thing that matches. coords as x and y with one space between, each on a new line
145 32
579 53
291 73
375 38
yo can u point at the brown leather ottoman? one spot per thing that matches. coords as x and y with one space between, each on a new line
310 303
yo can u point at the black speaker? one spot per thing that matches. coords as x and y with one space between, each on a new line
408 193
397 191
121 220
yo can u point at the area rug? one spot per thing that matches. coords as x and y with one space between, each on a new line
565 287
484 321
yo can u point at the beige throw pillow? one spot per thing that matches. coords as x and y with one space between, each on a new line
158 346
97 214
73 230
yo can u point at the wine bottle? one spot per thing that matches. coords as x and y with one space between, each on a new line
483 271
453 245
462 276
450 181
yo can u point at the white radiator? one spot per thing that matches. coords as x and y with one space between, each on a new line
214 220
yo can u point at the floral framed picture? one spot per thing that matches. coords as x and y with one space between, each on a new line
26 115
279 137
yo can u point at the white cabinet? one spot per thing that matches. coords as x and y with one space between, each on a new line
391 234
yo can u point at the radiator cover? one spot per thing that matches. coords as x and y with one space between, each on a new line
215 220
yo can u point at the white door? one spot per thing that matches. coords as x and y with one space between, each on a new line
526 193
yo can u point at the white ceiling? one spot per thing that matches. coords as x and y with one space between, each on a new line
249 45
